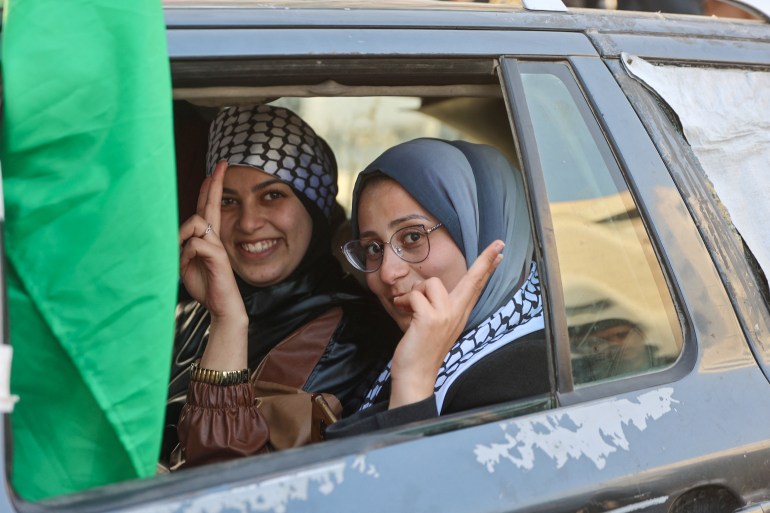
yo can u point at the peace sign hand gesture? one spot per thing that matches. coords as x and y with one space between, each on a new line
438 319
203 262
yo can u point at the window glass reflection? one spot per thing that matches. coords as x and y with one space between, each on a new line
620 315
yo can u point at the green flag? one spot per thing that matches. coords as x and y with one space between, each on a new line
90 238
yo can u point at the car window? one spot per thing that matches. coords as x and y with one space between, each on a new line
360 129
729 135
620 315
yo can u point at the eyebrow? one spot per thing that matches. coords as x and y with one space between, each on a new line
396 222
257 187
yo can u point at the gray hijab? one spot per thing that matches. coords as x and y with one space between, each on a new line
479 197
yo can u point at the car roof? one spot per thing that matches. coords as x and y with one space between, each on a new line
511 14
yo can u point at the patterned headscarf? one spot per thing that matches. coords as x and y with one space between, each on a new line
479 197
277 141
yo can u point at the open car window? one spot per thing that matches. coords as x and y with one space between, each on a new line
620 314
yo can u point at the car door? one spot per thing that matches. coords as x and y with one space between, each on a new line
686 385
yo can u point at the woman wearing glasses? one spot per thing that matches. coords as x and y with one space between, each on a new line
429 221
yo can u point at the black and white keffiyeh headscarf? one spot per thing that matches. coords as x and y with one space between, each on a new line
278 142
479 197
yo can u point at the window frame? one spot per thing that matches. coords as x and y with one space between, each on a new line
621 134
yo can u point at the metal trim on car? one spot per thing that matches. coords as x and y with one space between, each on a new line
545 240
240 43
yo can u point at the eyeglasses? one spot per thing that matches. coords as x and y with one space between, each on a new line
410 244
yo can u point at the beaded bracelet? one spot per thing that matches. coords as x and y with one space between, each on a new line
215 377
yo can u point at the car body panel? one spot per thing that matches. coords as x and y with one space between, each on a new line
509 466
683 48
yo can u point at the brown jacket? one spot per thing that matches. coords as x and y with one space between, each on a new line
270 412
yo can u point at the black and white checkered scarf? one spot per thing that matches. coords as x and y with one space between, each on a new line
278 142
520 316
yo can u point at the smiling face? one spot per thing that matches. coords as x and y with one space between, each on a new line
385 207
265 228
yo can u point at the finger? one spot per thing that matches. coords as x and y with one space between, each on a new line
213 209
195 226
472 284
208 253
203 196
435 292
413 301
186 256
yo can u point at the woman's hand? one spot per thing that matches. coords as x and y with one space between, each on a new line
208 277
203 263
438 319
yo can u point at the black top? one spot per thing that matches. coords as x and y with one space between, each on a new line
517 370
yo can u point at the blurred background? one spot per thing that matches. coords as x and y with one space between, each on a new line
702 7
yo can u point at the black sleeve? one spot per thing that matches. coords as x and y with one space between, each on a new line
191 332
515 371
380 417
